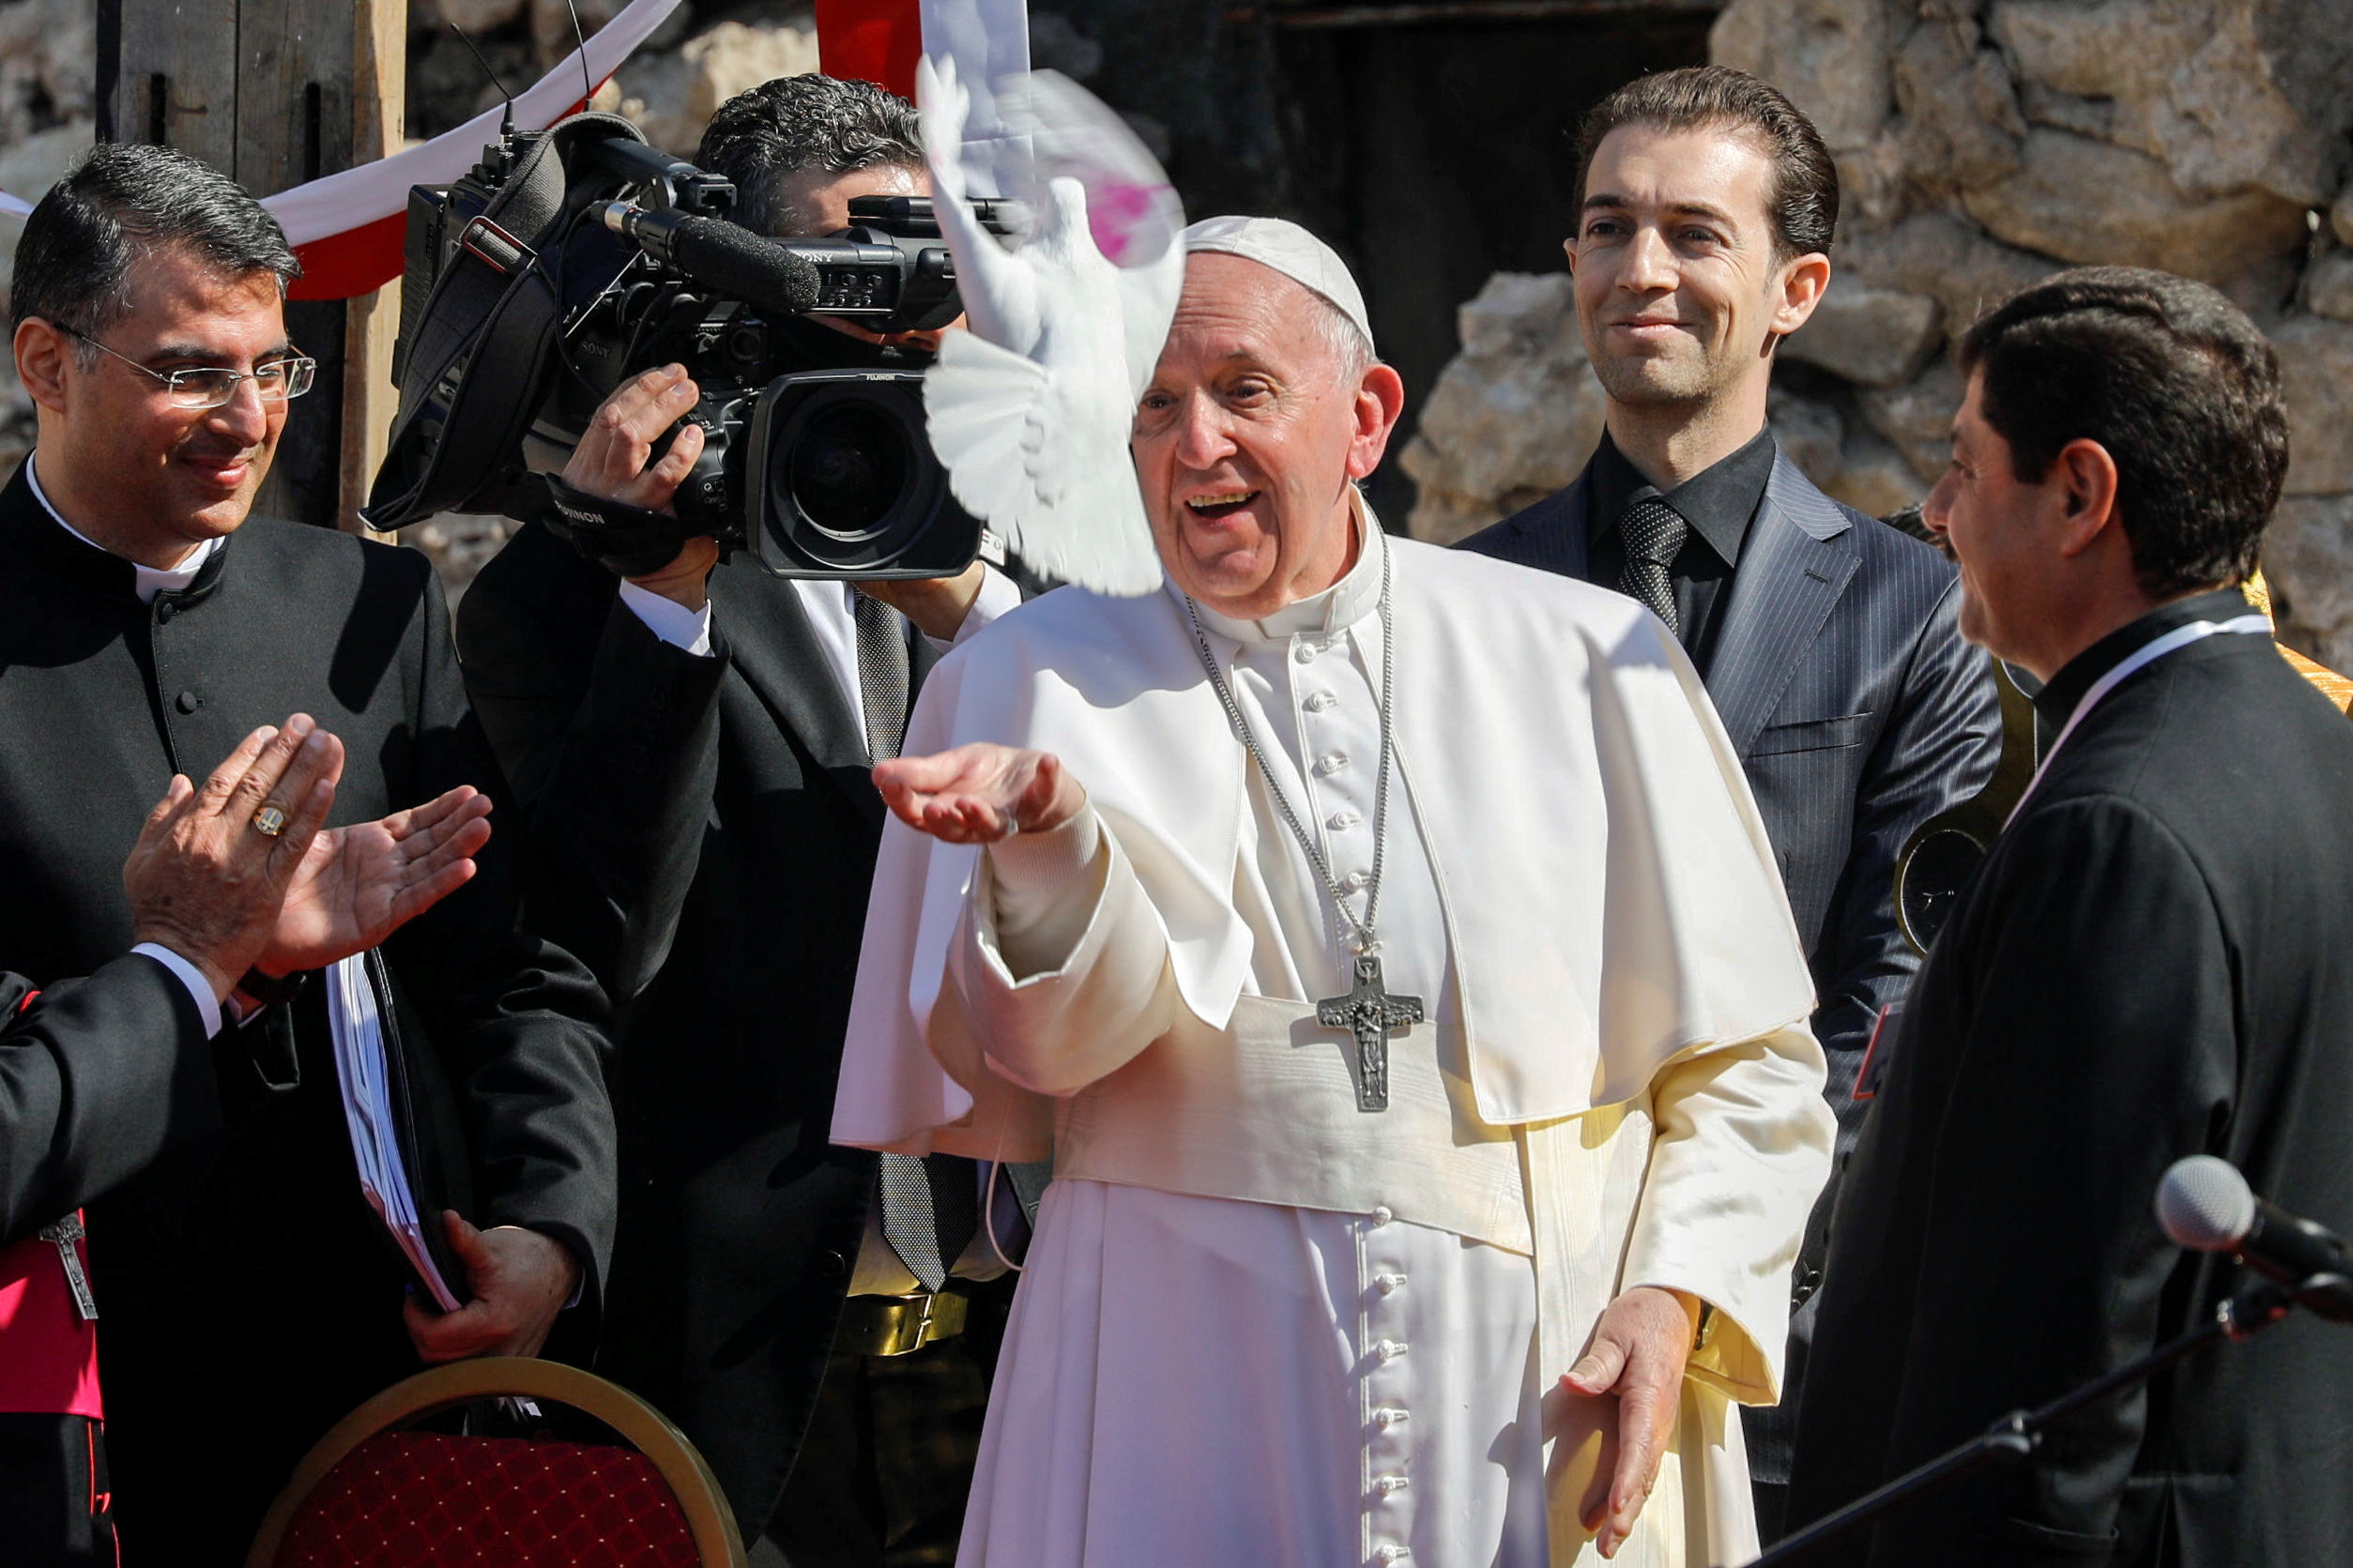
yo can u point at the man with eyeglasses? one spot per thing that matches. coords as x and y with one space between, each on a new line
248 1296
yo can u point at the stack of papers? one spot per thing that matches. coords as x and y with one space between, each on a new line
376 1140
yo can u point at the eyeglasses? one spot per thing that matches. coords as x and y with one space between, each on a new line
211 387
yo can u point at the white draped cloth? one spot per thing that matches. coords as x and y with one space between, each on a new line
1204 1369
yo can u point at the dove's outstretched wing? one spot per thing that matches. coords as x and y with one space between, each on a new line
1132 212
1000 295
1007 430
1031 410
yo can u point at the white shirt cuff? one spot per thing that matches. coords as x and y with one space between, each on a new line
669 620
208 1005
998 593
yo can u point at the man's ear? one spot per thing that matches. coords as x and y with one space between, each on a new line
2086 475
41 353
1379 401
1802 282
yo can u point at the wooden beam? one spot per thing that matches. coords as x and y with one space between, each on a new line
379 114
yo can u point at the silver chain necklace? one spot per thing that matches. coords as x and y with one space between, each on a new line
1368 1012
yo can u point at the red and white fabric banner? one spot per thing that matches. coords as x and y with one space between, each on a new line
347 228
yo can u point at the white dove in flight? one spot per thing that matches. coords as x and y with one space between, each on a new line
1029 411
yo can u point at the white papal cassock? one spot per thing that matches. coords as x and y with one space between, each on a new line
1257 1324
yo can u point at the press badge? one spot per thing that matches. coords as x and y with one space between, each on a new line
1876 1054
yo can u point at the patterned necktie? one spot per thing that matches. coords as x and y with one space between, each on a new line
1652 532
931 1206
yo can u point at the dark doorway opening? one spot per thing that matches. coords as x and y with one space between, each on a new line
1431 145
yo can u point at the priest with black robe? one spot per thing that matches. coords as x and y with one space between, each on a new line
248 1296
2151 964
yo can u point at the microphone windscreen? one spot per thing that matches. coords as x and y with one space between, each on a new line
2204 1204
735 261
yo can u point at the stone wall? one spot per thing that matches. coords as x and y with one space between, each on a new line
1981 145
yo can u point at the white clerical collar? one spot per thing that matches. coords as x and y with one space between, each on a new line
151 580
1355 596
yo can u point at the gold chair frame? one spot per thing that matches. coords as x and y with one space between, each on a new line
708 1519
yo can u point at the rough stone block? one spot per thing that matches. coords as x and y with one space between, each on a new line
1917 417
2091 202
2329 286
1830 56
2316 378
1513 417
1877 337
2187 81
2308 559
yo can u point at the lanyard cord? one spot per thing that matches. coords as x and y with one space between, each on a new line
2138 660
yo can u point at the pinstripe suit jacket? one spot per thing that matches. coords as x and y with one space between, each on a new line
1858 714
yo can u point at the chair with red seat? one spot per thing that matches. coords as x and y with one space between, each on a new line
374 1494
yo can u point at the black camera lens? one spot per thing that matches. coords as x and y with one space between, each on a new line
849 469
853 488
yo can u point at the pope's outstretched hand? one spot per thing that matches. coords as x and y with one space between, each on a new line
980 793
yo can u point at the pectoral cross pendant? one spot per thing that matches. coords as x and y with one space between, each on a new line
64 1234
1371 1015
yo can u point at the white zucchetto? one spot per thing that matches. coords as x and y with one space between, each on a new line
1289 249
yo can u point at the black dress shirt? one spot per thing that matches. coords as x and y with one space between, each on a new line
1718 502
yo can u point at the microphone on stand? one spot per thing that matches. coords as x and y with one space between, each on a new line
2206 1205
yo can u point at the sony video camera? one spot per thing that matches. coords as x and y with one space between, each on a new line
569 260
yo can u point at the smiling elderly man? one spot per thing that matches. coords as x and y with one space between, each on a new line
1385 943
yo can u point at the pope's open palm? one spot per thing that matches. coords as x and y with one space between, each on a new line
980 793
359 884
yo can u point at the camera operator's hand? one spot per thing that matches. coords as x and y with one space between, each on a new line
615 460
937 605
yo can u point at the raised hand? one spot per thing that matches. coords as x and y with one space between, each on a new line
210 874
358 885
1637 1354
980 793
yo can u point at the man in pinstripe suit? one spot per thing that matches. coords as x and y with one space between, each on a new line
1825 638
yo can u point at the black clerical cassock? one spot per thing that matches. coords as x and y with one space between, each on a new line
2151 964
247 1296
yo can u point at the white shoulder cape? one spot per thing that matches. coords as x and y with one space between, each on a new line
1611 896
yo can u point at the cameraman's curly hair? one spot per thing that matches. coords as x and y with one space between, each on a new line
763 137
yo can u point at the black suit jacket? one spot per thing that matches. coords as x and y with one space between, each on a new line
249 1296
2151 964
711 828
1858 714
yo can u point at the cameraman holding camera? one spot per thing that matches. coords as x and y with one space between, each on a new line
693 746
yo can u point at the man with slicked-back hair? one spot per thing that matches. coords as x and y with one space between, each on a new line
1705 211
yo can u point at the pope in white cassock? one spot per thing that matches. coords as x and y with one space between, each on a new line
1384 943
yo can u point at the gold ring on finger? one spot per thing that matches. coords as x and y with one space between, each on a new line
270 821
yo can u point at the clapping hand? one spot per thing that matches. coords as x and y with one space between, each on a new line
207 878
980 793
358 885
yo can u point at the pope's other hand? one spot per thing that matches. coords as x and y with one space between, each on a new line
519 1280
980 793
1637 1353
